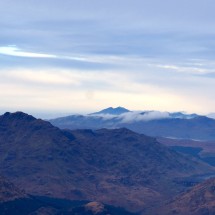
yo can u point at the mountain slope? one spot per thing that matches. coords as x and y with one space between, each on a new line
117 167
97 208
8 191
14 201
203 150
200 200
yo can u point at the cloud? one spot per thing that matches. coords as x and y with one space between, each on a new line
136 116
43 77
70 89
78 90
103 116
191 69
108 53
14 51
133 116
110 28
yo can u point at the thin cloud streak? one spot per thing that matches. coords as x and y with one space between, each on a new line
14 51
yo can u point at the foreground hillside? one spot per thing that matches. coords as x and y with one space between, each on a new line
117 167
200 200
9 192
41 206
13 201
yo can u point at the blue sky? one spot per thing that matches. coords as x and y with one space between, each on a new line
80 56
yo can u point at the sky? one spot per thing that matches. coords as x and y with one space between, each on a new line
80 56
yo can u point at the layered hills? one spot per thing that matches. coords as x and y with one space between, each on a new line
117 167
152 123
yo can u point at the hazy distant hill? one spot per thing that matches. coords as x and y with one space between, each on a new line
152 123
117 167
112 111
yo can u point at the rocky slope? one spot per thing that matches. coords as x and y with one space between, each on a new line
9 192
204 150
200 200
15 201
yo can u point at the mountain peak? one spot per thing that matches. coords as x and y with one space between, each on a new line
113 111
17 116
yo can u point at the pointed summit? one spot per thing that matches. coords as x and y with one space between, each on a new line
113 111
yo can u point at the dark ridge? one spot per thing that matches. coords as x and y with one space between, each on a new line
23 118
44 205
17 116
122 132
116 130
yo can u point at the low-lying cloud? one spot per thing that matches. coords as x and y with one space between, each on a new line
134 116
143 116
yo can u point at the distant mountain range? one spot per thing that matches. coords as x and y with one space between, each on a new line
117 167
152 123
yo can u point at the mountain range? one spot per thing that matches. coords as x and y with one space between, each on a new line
115 166
152 123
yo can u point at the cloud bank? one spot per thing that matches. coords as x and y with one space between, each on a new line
143 116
